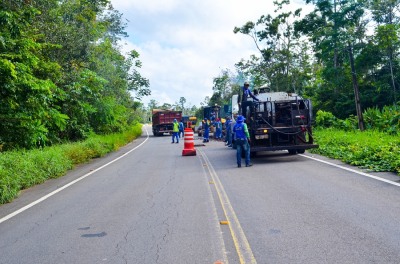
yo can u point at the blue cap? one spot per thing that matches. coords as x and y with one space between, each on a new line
240 119
175 120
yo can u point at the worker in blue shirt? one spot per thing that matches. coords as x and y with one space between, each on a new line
181 129
242 139
218 129
228 131
206 128
246 93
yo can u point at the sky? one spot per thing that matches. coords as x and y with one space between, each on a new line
184 44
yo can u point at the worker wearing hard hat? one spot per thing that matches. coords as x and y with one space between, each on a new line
206 128
242 139
246 93
175 131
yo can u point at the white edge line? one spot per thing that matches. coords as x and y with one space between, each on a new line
26 207
351 170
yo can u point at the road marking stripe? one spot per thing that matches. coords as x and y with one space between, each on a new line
239 238
352 170
26 207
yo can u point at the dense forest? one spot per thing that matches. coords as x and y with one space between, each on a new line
62 74
343 54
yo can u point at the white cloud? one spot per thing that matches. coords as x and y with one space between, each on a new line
183 44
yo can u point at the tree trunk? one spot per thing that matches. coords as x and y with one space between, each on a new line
392 76
356 91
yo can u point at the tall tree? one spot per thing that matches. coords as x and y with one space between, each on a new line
28 94
62 75
182 102
386 14
337 29
282 52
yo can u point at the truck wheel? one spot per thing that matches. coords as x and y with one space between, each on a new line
301 151
292 151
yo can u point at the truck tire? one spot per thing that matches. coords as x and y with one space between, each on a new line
301 151
157 133
292 151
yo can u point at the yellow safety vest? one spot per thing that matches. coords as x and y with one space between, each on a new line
176 127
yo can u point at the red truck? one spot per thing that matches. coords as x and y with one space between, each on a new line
163 120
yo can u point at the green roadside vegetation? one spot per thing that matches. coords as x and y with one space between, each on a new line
372 150
22 169
377 148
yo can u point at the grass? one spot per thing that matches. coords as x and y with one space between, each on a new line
373 150
22 169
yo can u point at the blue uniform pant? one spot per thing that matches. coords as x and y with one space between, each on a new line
206 133
218 133
175 135
242 144
228 137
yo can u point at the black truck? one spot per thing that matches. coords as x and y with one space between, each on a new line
279 121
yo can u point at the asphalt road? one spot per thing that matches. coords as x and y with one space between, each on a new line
148 204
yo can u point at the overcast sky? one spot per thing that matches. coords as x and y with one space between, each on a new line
184 44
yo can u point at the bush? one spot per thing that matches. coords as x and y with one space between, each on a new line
325 119
372 149
386 120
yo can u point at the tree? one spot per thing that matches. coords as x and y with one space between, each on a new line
386 35
28 94
182 102
337 28
62 75
153 104
166 106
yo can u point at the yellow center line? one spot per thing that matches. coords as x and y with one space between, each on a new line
239 238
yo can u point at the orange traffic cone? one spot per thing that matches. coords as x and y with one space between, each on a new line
188 149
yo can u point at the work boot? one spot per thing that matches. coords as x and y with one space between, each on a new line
240 165
249 165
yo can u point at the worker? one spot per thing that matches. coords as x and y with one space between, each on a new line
181 129
218 129
206 128
228 133
245 94
242 140
233 136
175 131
